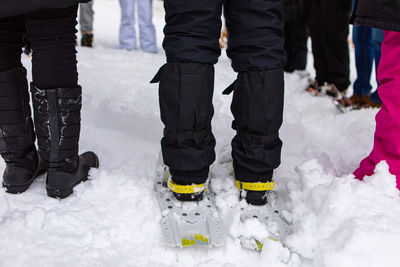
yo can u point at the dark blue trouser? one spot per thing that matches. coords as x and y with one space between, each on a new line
256 47
367 43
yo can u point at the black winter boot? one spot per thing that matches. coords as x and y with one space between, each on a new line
257 107
16 132
186 91
57 123
87 39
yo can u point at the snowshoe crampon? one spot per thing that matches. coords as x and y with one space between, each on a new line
187 223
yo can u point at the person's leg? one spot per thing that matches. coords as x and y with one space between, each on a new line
57 99
256 47
377 39
335 22
288 31
298 57
12 30
54 63
17 137
86 17
318 42
86 21
127 31
147 31
191 45
364 54
387 132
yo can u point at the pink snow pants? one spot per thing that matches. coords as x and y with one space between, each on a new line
387 132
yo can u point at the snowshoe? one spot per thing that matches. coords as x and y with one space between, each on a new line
187 223
264 213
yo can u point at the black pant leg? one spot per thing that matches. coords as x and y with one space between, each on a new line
12 30
335 23
288 47
52 34
191 44
256 38
296 45
13 85
256 47
318 41
192 31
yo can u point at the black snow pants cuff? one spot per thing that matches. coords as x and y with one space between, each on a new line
257 108
186 91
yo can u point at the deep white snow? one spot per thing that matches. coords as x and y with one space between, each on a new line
113 220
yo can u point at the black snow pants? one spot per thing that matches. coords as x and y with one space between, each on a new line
256 47
52 35
296 45
329 27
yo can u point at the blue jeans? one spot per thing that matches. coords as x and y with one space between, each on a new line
147 31
377 39
367 43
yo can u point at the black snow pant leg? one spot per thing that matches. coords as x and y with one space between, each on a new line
191 44
192 31
296 45
186 91
256 46
12 31
255 31
257 108
329 32
52 35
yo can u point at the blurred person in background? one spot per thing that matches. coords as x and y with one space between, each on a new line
367 43
296 35
86 22
329 30
57 98
127 30
383 14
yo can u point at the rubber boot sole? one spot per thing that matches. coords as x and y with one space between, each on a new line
18 189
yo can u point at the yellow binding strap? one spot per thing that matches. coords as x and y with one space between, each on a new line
255 186
186 189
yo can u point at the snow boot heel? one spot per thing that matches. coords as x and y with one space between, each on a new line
17 138
60 184
57 121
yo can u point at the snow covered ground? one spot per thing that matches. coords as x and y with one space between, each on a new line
113 220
